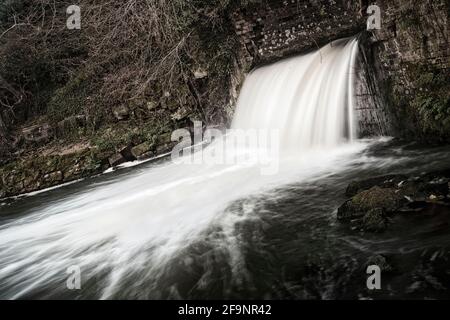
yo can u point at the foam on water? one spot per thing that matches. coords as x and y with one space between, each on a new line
140 223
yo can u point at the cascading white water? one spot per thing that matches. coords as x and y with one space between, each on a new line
309 98
138 224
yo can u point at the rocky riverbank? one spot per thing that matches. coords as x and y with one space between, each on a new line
377 204
396 210
122 99
55 164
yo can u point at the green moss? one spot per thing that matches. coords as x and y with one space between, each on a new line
114 138
376 198
374 221
69 100
432 99
38 172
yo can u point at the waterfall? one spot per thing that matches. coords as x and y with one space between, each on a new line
308 98
124 231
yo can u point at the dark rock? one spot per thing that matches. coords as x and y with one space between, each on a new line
388 181
424 187
414 206
382 262
387 199
116 159
371 209
127 154
374 220
347 212
435 188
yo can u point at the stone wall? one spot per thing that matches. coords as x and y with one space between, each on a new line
402 74
411 58
413 38
282 28
370 107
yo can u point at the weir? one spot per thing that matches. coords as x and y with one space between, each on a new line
309 98
127 231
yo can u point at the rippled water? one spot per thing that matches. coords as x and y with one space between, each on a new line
211 230
280 241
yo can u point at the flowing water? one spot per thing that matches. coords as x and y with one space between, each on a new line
308 99
166 230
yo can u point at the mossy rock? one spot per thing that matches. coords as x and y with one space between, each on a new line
374 221
387 181
387 199
376 197
38 172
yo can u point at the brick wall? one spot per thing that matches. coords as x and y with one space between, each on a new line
283 27
413 40
412 33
